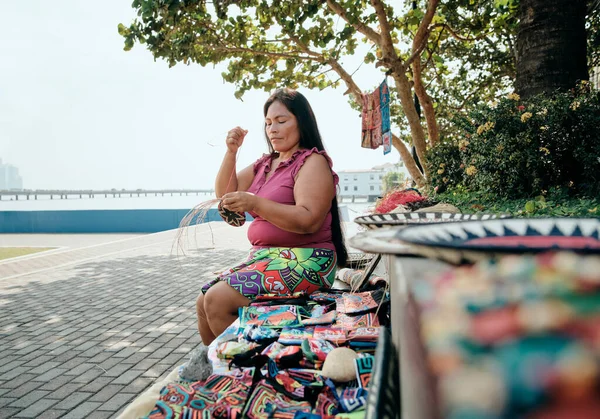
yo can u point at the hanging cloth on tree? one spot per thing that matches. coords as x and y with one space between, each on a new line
376 116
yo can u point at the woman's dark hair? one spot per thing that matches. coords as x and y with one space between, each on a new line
310 137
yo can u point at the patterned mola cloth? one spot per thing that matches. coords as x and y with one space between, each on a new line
279 270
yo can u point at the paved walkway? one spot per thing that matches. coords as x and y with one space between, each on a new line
86 328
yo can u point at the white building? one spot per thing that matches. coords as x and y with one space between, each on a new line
9 177
362 183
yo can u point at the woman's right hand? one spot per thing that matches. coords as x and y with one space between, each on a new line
235 138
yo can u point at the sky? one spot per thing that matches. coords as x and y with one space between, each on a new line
78 112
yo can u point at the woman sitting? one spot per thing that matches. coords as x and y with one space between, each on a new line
291 193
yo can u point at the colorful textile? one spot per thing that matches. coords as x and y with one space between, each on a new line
353 322
327 318
375 116
316 350
364 334
295 336
364 370
352 399
327 404
281 271
333 334
280 188
273 316
260 334
354 303
266 402
227 350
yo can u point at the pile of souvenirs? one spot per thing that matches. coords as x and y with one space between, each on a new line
519 337
288 357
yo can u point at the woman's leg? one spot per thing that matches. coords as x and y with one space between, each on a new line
205 333
221 304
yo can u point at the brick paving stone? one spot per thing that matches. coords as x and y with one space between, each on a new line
18 381
79 369
51 375
106 393
127 377
35 410
9 366
6 401
99 414
53 414
138 385
29 398
117 401
23 389
45 367
97 385
7 412
160 353
156 370
39 361
83 410
64 391
56 383
15 372
74 400
89 375
145 364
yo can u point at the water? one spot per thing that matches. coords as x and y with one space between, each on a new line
99 202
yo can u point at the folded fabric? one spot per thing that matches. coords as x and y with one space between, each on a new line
295 336
260 334
352 399
364 334
349 322
266 402
326 318
273 316
227 350
364 369
316 350
353 303
324 297
333 334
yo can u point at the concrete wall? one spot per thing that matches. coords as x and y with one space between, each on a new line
95 221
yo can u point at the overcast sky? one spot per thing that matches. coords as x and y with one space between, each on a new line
76 111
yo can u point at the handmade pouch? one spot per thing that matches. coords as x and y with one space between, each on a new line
364 369
274 316
316 350
333 334
295 336
227 350
288 357
348 322
364 334
265 401
260 334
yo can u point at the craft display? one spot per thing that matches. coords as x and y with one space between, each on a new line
516 337
273 363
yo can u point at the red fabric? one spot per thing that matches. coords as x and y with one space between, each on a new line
280 188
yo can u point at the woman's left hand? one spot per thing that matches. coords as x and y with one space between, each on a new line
239 201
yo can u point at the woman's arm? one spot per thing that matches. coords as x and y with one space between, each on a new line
227 179
313 192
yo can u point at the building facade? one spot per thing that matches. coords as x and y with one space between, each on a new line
9 177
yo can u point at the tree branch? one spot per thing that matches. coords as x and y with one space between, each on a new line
359 26
384 25
238 50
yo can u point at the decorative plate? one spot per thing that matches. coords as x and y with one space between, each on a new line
374 221
381 241
475 240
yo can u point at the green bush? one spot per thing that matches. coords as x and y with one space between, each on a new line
522 149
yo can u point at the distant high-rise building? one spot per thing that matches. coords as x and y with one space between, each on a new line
9 177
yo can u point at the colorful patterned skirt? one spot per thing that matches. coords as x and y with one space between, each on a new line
278 270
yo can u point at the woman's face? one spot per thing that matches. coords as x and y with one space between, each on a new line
281 127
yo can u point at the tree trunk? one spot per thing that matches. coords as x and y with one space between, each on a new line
551 46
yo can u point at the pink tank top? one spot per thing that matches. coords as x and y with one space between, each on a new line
280 188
